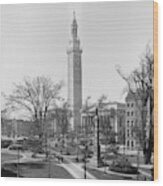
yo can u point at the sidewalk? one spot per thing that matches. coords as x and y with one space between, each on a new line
76 170
143 166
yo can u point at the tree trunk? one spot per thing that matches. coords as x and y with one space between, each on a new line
148 142
147 156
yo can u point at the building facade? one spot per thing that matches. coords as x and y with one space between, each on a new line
111 118
74 76
133 120
16 128
118 124
136 130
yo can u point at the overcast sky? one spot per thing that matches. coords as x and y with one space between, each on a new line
34 39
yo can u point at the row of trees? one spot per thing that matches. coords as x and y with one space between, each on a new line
39 99
36 98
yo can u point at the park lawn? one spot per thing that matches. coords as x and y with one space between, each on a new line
40 170
45 171
7 173
105 176
7 157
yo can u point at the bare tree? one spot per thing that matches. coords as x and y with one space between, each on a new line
140 85
101 101
34 97
63 115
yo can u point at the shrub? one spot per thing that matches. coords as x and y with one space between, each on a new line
123 165
6 143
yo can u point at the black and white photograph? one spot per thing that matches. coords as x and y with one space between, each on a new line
77 90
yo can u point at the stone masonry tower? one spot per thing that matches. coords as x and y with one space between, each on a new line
75 76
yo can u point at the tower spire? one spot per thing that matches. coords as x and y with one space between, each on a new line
74 26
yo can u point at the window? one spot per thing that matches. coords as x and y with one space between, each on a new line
132 113
132 144
128 105
132 105
128 122
128 113
128 133
132 133
132 123
128 143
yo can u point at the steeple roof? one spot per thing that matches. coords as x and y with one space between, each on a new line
74 27
74 23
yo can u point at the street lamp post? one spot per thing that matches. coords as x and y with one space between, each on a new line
138 154
18 155
85 149
49 164
85 162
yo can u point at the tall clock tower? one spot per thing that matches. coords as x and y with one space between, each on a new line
75 76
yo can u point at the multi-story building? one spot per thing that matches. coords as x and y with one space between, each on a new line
111 117
132 121
118 121
15 128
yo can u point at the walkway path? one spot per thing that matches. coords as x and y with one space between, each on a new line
75 169
23 156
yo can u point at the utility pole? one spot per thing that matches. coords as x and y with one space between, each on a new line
98 136
18 155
